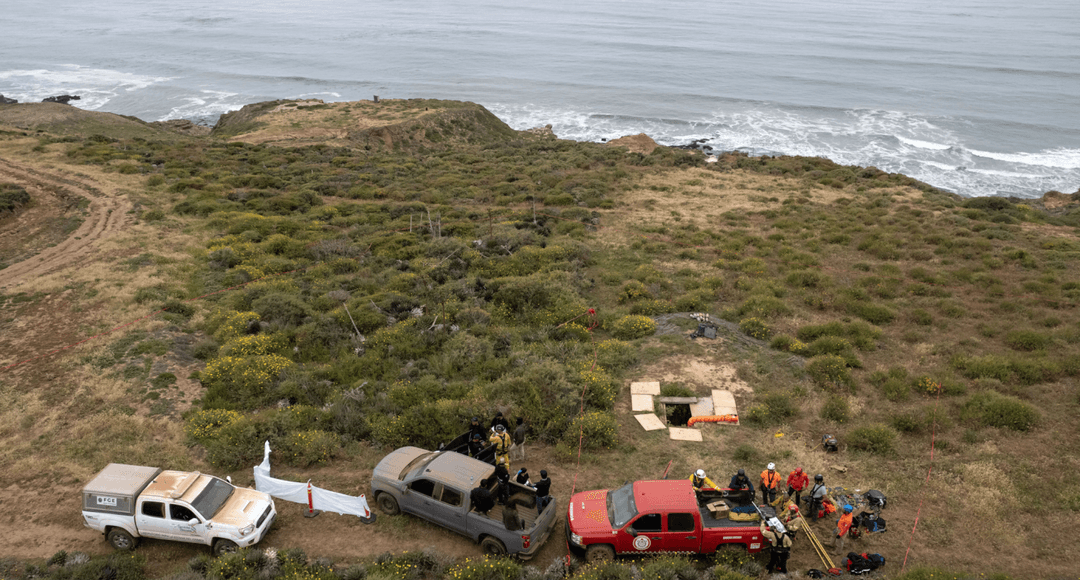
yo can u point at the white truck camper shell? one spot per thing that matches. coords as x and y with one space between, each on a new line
114 489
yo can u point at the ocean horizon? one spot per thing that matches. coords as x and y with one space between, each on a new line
978 98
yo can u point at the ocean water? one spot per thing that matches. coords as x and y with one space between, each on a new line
980 97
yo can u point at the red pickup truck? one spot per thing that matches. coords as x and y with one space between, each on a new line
644 517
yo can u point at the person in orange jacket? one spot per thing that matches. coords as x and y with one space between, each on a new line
843 526
796 482
770 484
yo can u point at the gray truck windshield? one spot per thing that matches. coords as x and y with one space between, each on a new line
210 500
420 459
620 506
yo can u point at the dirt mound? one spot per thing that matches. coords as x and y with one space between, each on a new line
390 124
640 143
67 120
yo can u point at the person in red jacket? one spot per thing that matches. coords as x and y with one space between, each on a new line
796 482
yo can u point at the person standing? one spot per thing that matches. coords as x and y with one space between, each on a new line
700 481
740 482
518 448
543 491
770 484
501 440
475 428
817 496
796 482
843 526
779 551
498 419
501 475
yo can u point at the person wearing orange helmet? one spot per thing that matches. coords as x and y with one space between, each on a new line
796 482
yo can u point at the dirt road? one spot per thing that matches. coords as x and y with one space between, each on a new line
40 229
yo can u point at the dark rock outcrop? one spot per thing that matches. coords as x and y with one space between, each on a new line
62 99
182 126
6 101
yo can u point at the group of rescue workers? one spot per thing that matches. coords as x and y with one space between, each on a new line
497 488
770 484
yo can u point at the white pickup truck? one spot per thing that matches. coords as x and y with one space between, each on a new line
127 502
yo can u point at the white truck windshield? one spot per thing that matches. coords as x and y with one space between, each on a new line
210 500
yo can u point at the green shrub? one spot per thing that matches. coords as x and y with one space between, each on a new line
895 389
875 439
764 306
995 410
485 569
871 313
310 447
755 327
836 409
651 307
616 354
772 409
12 197
633 291
204 425
669 567
597 430
807 279
746 453
694 301
632 327
921 317
830 371
781 342
907 423
1027 340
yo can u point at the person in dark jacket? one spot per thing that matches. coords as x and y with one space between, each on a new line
476 445
740 482
518 448
481 498
475 428
543 491
503 477
500 420
523 477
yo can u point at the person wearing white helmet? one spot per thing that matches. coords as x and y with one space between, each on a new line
770 484
501 440
700 481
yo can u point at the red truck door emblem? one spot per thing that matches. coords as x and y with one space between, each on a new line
642 543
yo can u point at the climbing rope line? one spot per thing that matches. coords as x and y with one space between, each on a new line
929 470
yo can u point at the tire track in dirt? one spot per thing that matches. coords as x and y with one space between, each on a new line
107 216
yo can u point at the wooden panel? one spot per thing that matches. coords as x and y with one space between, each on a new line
650 422
647 388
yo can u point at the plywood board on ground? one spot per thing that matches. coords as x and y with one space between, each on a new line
703 407
645 388
724 403
650 422
639 403
682 434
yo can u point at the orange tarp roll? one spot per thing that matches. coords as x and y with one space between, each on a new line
713 419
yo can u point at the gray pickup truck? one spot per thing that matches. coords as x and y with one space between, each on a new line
435 485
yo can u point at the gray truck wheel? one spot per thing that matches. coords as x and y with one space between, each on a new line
493 547
121 539
222 547
388 504
599 553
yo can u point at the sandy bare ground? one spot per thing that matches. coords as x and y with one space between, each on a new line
107 216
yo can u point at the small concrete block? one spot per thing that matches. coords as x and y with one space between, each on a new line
640 403
650 422
682 434
652 388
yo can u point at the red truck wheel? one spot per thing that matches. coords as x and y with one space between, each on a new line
599 553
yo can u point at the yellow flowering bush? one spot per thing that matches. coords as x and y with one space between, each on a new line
228 324
633 326
602 571
830 371
597 428
484 569
755 327
652 307
600 388
571 331
206 424
242 379
616 354
306 448
252 345
927 386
